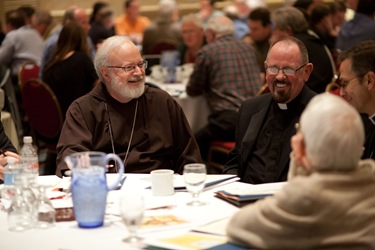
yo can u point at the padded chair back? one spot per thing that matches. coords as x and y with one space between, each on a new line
27 71
42 110
163 46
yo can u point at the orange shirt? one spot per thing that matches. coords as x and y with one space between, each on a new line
123 26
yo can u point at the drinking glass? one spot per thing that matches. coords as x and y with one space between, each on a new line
46 215
195 177
131 211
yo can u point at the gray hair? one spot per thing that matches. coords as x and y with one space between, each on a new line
167 8
105 50
221 25
43 17
333 133
193 18
289 17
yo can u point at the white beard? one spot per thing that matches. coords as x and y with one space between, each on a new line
125 90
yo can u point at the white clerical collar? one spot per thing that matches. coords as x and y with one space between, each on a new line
372 118
282 106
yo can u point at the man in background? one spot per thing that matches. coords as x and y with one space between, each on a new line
164 30
22 43
289 21
227 73
131 23
42 21
259 22
360 28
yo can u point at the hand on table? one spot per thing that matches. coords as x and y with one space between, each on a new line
4 159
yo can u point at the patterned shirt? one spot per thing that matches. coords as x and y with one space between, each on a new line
226 71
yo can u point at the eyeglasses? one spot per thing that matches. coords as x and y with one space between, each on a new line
288 71
131 67
344 84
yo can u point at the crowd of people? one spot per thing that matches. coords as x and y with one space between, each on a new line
97 69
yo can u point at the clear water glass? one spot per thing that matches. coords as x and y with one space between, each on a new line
131 211
195 177
46 214
20 213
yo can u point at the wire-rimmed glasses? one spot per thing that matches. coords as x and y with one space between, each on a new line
288 71
131 67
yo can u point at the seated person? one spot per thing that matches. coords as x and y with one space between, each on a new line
192 38
357 87
102 23
145 126
7 150
329 199
266 123
71 54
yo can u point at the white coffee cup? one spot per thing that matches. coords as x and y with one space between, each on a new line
162 182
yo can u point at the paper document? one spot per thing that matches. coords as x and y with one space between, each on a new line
240 193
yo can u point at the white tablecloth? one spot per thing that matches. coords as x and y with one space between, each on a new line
195 108
67 235
10 128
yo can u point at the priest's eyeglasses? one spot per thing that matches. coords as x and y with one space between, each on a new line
288 71
343 84
131 67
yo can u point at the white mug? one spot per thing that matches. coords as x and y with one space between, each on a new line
162 182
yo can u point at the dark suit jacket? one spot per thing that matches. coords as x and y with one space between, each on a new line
323 72
369 139
251 118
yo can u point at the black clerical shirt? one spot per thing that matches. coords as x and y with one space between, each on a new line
278 127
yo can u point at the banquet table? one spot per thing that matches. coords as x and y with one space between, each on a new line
196 108
67 235
10 128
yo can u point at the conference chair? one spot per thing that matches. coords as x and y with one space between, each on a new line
44 115
217 156
27 71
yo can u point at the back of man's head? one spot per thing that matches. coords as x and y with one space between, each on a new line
15 18
28 11
167 8
318 14
289 18
42 17
261 14
221 25
333 133
69 15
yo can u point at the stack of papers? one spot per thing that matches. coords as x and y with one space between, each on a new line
240 194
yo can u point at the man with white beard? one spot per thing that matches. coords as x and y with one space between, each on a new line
265 123
144 126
